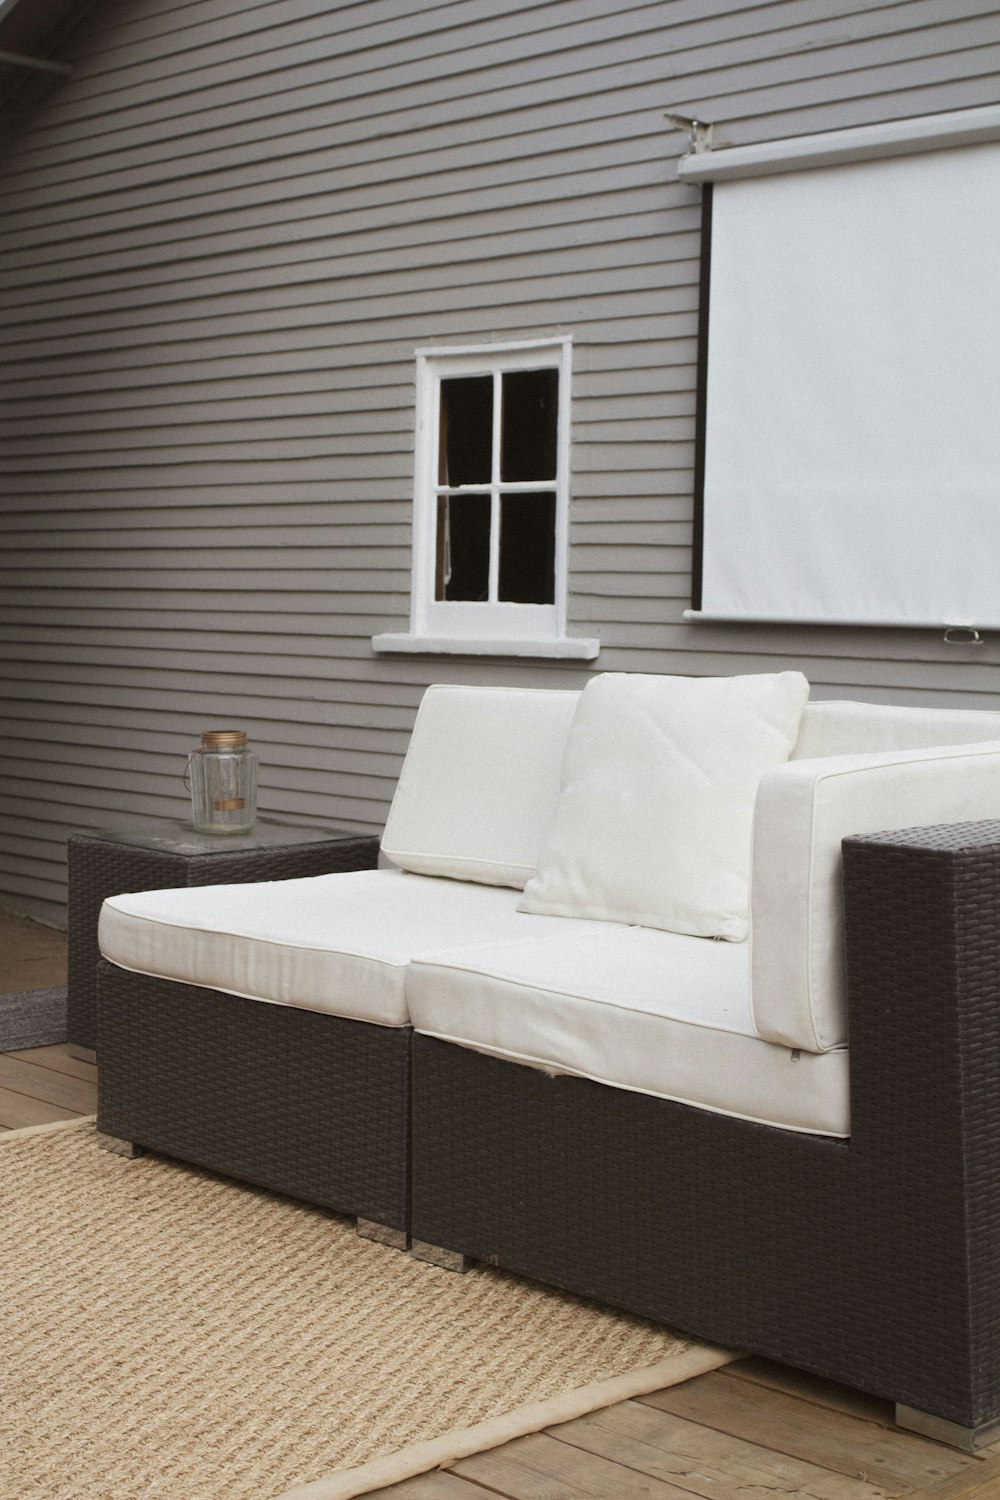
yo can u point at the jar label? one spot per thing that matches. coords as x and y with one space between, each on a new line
229 804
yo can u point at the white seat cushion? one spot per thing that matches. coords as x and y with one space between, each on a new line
655 1012
334 943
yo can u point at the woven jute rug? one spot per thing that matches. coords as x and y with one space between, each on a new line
168 1333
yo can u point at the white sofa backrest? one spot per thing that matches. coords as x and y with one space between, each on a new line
479 783
804 810
853 728
481 779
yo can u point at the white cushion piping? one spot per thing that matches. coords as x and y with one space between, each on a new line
559 1070
443 961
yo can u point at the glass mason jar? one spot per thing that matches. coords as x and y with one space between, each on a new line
222 779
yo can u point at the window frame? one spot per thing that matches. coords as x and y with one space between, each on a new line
485 627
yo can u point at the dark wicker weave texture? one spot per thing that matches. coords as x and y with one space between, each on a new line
923 953
311 1105
99 867
874 1261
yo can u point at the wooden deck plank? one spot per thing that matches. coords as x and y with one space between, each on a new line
982 1483
702 1461
834 1440
19 1110
813 1388
497 1473
41 1083
39 972
539 1467
439 1484
34 956
57 1057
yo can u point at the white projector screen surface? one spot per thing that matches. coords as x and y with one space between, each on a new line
852 438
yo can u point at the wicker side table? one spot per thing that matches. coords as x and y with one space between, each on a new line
109 862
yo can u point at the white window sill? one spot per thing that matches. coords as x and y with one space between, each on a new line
565 648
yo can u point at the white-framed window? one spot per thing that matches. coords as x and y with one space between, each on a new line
491 499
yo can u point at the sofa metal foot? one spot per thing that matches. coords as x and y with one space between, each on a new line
436 1255
943 1431
82 1054
118 1147
369 1229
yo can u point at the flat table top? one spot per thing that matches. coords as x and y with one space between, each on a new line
173 836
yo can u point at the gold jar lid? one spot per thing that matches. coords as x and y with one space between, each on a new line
223 739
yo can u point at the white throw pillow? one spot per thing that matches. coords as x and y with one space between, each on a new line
654 821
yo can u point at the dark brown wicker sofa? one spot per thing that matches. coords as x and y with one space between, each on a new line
786 1144
873 1260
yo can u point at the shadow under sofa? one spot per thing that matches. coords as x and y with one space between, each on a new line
866 1255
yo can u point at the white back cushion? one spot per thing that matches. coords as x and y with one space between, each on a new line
804 810
853 728
479 783
654 821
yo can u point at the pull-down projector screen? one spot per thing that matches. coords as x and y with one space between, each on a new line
852 398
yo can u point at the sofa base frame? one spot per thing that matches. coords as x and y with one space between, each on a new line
970 1439
311 1105
117 1147
438 1255
382 1234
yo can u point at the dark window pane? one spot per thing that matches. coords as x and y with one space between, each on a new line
463 547
466 443
528 548
530 421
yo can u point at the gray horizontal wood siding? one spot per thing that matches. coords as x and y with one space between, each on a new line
221 241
